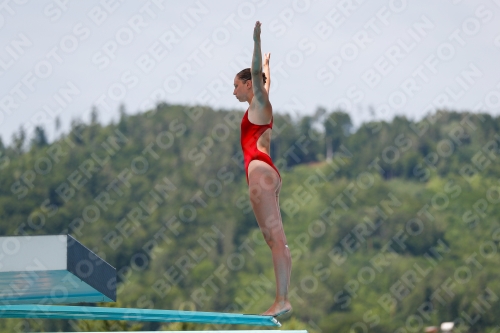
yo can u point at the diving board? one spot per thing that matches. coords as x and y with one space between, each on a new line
52 270
39 273
130 314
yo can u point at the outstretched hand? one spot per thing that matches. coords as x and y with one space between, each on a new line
267 57
256 31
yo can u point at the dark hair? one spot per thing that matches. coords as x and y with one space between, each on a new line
246 75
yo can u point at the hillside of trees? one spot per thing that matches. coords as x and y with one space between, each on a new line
392 226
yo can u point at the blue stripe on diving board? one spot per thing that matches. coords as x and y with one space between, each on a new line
131 314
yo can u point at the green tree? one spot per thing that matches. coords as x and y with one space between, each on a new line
39 138
18 140
338 127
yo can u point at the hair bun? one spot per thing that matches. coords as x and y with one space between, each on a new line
246 74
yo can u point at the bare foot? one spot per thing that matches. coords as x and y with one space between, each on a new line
278 308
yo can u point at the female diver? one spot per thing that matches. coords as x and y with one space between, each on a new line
263 178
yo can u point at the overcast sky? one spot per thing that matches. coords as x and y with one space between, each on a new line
374 59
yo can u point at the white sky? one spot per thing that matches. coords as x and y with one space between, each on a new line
390 56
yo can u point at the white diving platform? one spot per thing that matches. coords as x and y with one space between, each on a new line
52 270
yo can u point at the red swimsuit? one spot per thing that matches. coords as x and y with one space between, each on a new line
250 133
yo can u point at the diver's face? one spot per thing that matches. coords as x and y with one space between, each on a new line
241 89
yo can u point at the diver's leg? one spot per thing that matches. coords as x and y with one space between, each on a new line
264 188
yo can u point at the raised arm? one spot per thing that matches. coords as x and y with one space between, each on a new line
258 85
265 67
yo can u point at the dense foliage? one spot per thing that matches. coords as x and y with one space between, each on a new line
392 226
